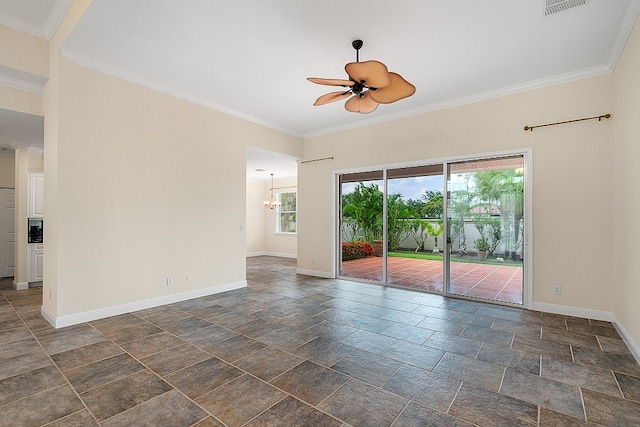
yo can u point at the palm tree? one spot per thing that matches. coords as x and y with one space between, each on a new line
435 231
506 187
418 230
364 206
461 202
398 225
433 204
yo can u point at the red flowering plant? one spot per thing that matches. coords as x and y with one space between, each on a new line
356 249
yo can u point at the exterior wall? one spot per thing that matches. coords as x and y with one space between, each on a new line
625 280
571 164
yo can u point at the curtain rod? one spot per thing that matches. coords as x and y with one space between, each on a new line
316 160
604 116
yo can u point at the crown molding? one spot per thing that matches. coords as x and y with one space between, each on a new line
30 148
626 27
46 31
82 60
22 80
484 96
21 85
55 17
35 150
20 25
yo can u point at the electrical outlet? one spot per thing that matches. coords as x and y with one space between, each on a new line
188 277
169 281
557 289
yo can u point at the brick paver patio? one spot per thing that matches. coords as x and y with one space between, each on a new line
492 282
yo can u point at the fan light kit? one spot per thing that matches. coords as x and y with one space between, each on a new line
370 83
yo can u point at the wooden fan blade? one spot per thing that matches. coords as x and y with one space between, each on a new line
331 82
332 97
369 73
361 104
398 89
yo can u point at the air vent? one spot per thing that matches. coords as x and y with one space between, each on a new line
555 6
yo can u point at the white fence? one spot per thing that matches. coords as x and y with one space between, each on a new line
471 233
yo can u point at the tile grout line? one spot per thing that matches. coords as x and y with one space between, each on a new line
71 386
454 397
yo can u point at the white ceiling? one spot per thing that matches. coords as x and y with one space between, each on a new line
36 17
250 58
261 164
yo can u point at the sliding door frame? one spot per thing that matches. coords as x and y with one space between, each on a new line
527 153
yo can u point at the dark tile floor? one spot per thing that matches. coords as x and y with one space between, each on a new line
293 350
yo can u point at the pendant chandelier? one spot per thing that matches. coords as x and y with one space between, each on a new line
272 203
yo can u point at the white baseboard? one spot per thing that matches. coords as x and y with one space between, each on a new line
315 273
267 253
595 315
626 337
88 316
20 286
567 310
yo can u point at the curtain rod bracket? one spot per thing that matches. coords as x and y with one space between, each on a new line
603 116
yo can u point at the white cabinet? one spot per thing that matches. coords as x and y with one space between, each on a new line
35 262
36 195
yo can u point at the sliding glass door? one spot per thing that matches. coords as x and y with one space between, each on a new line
415 228
485 219
361 225
406 227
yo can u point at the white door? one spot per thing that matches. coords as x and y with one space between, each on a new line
7 231
36 265
36 195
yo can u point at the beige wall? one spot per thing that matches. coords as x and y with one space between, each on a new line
7 172
27 53
24 52
625 282
20 100
571 164
255 218
160 202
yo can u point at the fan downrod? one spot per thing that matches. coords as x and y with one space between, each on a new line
357 44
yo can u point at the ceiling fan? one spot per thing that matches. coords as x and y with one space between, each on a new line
370 83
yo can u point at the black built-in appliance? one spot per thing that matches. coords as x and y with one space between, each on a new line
35 230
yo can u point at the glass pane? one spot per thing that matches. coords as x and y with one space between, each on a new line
288 222
415 227
361 225
288 202
486 227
